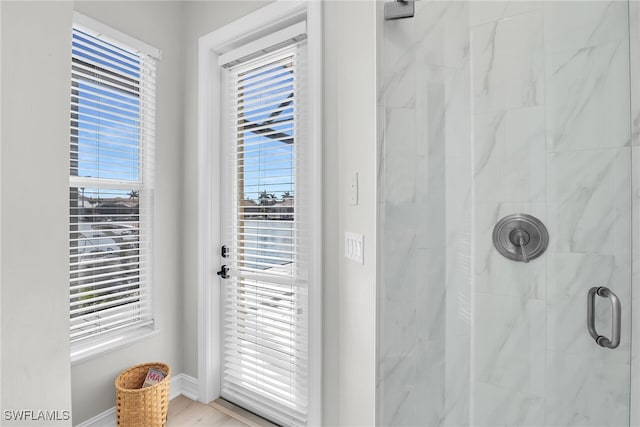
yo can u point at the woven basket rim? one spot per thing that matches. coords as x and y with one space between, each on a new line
144 365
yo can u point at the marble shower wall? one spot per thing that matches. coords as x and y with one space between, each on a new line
487 109
551 137
424 298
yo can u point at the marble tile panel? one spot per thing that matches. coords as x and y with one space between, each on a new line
443 108
431 193
398 334
458 314
396 391
598 385
524 171
430 146
429 391
510 343
482 12
435 214
498 406
397 310
459 296
510 153
400 155
572 25
423 180
588 98
441 33
489 157
457 375
400 251
432 98
590 201
399 84
458 205
458 114
508 63
431 294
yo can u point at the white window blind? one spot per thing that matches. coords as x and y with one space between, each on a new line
265 299
111 187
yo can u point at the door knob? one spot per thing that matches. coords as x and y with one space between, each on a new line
224 272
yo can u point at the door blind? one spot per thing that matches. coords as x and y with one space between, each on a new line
111 187
265 299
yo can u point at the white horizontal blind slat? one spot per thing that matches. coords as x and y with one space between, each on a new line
276 376
264 309
122 100
254 398
125 314
111 187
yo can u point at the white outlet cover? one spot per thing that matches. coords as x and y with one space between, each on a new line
354 247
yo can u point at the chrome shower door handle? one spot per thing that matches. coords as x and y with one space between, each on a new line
616 316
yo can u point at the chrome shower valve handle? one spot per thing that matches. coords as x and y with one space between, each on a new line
520 237
521 243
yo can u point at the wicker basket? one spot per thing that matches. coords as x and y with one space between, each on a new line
142 407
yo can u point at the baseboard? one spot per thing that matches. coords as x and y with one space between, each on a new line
181 385
184 385
105 419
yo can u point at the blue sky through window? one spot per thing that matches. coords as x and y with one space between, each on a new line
268 155
108 110
104 54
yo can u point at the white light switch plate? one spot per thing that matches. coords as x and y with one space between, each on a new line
354 247
353 189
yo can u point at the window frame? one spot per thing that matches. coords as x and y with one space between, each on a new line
91 347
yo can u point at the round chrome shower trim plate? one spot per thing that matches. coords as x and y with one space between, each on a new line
520 237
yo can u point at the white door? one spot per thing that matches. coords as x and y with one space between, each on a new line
264 229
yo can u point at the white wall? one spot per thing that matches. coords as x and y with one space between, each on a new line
349 146
201 18
35 80
158 24
35 164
